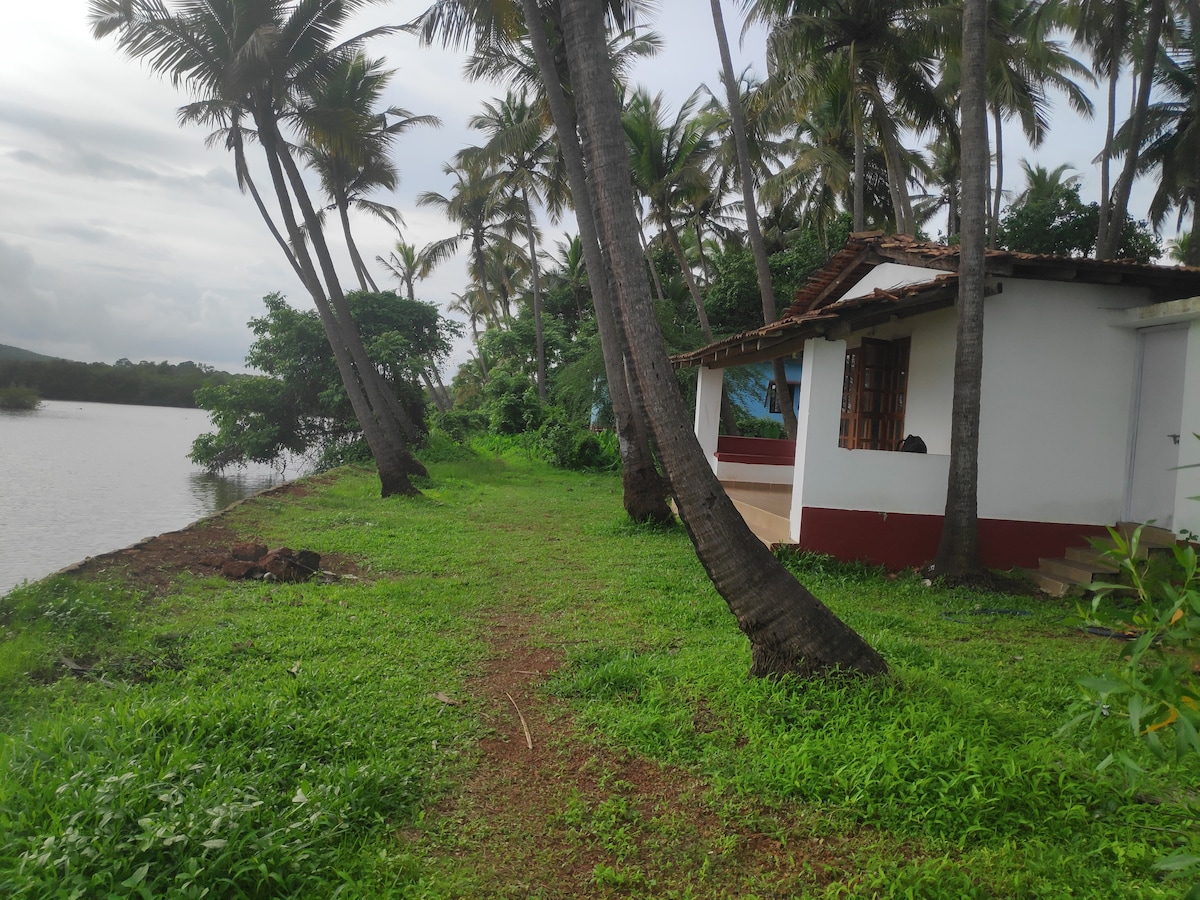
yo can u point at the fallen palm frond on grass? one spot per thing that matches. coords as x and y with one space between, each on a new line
296 740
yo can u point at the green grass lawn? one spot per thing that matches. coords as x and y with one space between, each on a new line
266 740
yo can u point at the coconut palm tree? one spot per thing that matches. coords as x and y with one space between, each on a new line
1044 184
1171 147
668 161
820 179
884 51
348 142
644 492
493 24
1178 248
762 265
1025 64
521 148
485 216
408 264
251 61
1156 18
790 631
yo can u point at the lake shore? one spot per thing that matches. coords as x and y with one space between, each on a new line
483 703
88 478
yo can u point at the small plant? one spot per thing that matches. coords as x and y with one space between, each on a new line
1153 693
13 397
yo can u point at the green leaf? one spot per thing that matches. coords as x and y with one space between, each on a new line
1103 685
1177 861
1135 713
137 877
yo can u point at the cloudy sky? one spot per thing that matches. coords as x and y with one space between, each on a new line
122 236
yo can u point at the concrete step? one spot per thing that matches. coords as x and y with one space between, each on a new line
1092 555
1072 570
1055 587
767 527
1151 536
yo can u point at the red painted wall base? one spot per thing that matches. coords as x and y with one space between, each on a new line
900 540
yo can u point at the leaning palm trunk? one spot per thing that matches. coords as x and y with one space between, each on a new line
365 281
384 432
246 77
790 631
235 143
644 493
387 407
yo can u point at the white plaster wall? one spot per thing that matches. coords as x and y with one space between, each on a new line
882 480
930 372
829 477
889 276
1187 509
1057 388
1056 405
817 425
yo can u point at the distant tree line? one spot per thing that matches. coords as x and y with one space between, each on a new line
141 384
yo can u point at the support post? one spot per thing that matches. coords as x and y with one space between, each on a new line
709 387
818 421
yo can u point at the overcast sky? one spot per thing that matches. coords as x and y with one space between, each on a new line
122 236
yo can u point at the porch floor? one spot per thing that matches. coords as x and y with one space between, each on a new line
765 507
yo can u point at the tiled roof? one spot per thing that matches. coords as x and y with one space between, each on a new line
819 307
787 336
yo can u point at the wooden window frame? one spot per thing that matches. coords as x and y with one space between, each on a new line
874 394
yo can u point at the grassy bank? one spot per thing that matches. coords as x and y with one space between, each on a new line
256 739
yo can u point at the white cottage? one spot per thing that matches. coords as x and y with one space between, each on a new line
1090 399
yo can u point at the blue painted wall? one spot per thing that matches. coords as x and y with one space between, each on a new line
748 387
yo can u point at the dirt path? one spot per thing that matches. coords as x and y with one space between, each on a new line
568 817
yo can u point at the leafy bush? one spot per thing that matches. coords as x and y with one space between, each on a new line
298 406
1153 691
753 426
568 446
13 397
511 403
459 424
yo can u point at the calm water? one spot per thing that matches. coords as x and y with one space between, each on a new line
78 479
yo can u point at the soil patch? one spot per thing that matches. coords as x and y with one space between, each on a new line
154 564
569 817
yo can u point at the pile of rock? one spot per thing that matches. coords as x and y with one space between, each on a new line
251 560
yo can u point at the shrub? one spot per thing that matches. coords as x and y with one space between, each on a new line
1153 692
459 424
14 397
568 446
751 426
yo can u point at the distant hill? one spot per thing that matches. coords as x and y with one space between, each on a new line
7 353
151 384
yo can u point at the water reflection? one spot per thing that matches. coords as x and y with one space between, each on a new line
215 492
81 479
